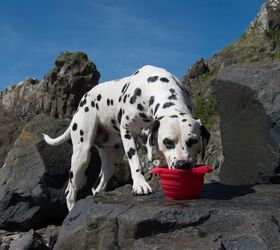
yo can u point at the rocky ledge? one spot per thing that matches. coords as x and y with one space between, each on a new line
226 217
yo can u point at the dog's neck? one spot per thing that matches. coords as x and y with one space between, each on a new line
177 110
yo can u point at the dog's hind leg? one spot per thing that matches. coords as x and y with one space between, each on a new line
82 138
111 158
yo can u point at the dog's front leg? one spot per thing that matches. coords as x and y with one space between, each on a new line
140 186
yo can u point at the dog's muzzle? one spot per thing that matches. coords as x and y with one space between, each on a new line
183 164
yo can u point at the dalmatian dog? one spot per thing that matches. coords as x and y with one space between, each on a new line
111 116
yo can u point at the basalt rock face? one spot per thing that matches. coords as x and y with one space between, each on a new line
57 95
248 98
226 217
260 43
33 178
65 85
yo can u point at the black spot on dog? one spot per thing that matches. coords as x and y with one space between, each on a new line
113 121
153 79
174 116
151 100
190 125
119 117
172 90
97 107
86 109
81 139
168 104
99 97
143 115
147 120
184 120
191 141
112 102
156 108
116 128
74 127
137 92
127 117
108 102
172 97
137 170
160 117
145 149
127 136
124 87
164 79
169 144
71 175
93 104
81 132
136 72
83 102
86 95
130 153
144 138
124 99
120 99
140 107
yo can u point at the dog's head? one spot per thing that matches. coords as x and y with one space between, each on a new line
180 139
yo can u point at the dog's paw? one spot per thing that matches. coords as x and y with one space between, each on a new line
141 188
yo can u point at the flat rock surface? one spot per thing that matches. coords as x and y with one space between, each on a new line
226 217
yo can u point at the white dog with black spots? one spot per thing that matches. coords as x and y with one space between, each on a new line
113 114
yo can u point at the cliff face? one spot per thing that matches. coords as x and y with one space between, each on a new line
57 95
260 43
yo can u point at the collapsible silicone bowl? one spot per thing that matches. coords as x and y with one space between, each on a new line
180 184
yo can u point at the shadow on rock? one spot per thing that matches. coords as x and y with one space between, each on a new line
219 191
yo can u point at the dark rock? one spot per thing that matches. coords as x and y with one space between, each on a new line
243 242
65 85
29 241
225 217
273 17
249 108
33 179
57 95
198 69
51 235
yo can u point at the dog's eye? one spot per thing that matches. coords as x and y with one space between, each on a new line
191 141
169 144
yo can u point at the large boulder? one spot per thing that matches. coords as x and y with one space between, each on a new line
227 217
33 178
57 95
249 108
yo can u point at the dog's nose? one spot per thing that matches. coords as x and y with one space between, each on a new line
183 164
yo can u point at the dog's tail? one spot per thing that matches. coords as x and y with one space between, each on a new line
59 140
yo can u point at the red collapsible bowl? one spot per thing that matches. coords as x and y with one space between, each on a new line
180 184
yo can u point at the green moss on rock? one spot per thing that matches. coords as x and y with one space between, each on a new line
205 109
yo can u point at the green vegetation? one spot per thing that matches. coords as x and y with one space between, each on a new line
205 109
274 35
246 49
276 56
211 75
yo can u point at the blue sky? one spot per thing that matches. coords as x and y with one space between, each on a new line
118 35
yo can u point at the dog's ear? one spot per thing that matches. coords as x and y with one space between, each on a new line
205 137
152 137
